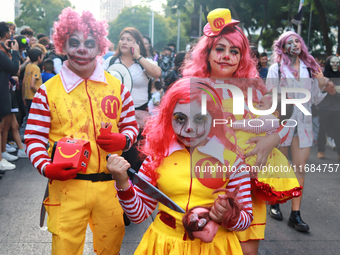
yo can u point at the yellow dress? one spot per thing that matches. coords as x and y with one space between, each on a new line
268 185
166 235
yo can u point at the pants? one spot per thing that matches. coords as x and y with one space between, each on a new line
329 120
74 204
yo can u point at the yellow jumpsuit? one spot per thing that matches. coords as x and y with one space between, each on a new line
72 204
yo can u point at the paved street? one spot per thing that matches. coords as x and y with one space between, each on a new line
21 192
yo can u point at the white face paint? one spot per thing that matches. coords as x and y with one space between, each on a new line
81 52
334 62
190 126
293 46
224 59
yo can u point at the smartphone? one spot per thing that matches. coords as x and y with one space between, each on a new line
132 50
10 42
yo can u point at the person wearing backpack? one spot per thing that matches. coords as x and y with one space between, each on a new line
131 52
58 59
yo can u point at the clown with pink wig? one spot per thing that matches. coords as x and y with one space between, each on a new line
81 102
294 67
223 56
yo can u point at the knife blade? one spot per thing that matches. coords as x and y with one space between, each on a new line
43 209
151 190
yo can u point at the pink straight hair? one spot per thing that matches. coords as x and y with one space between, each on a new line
70 21
159 132
279 55
197 64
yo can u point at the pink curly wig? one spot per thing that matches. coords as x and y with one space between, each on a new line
70 21
279 55
159 132
196 64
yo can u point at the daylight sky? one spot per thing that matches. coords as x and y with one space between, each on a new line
93 6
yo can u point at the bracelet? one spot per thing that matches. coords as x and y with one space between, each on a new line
122 190
139 58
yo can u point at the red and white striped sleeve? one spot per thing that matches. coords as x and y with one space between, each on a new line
136 204
240 176
37 130
127 122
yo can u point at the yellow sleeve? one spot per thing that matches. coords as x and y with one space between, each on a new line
36 73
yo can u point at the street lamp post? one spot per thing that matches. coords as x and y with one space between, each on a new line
200 23
179 29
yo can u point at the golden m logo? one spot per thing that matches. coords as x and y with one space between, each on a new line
110 106
210 172
219 23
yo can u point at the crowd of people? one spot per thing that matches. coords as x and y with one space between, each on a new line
26 63
58 87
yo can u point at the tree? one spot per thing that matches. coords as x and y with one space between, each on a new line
338 24
165 28
270 18
40 14
324 26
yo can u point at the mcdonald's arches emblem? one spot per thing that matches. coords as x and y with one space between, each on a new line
110 106
219 23
211 173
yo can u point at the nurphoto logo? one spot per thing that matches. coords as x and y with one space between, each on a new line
238 103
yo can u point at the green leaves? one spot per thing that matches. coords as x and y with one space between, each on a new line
270 18
165 28
40 14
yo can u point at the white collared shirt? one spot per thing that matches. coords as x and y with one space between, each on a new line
304 122
70 80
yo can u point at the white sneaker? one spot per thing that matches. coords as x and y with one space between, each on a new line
6 166
13 144
8 156
333 144
22 154
10 148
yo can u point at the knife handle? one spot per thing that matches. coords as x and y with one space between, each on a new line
53 151
130 171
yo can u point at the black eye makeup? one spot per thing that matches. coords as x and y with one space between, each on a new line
200 119
91 43
73 42
180 117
